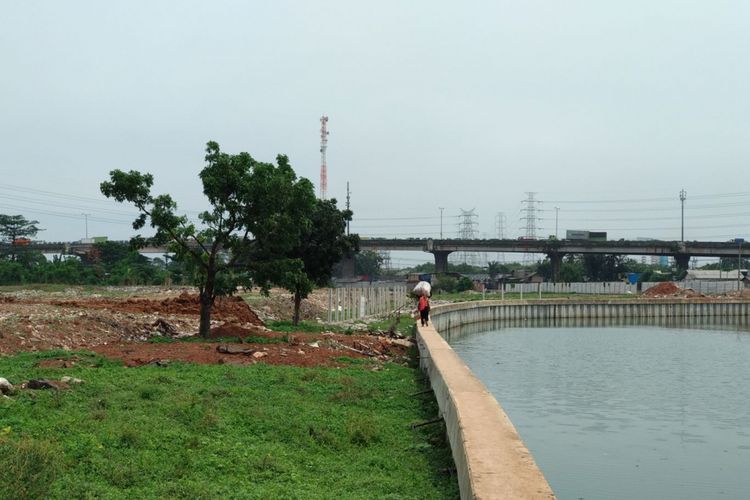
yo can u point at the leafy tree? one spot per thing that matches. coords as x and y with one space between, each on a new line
445 283
15 227
246 197
493 269
571 271
368 263
603 267
310 262
427 267
464 283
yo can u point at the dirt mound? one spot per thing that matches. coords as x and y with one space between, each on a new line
225 308
230 330
662 289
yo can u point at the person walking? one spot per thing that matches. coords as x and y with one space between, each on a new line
424 309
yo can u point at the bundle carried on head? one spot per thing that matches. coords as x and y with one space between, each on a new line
423 288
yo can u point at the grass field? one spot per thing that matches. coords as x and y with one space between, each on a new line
220 431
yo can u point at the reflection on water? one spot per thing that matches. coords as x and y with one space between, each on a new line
648 409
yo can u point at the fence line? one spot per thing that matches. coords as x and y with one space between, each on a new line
615 287
359 302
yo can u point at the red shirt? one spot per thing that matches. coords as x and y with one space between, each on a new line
423 303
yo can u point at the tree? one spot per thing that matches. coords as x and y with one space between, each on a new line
493 269
368 263
14 228
250 204
603 267
310 262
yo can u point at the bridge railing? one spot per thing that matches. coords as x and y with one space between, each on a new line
365 301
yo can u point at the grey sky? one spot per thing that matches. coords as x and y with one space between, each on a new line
453 104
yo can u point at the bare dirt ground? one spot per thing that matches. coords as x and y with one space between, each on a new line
124 324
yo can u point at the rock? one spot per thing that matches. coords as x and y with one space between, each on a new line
5 386
314 344
71 380
402 342
234 349
259 354
301 352
40 384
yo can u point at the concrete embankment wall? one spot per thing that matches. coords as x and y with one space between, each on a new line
491 459
444 317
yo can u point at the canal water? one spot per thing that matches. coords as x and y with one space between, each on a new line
624 411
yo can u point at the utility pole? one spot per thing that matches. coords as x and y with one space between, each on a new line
86 221
441 221
557 212
683 195
347 206
323 162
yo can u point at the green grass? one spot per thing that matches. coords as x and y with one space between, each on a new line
219 431
307 327
405 325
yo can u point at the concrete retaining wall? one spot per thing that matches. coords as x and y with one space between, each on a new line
444 317
491 459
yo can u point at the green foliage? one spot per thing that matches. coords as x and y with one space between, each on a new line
28 466
494 268
604 267
464 283
368 263
220 431
14 228
314 246
107 263
259 213
444 283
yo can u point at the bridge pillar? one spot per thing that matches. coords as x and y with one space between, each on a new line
682 261
441 260
555 259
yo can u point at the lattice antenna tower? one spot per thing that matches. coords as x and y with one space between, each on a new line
387 264
500 228
467 230
529 209
323 165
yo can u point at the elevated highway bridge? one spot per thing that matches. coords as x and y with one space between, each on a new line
555 250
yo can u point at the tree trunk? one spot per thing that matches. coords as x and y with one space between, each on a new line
297 302
207 300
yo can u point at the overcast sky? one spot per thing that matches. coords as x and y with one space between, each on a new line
458 105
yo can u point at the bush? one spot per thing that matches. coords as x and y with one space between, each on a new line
445 284
464 284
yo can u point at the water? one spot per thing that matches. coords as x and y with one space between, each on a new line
659 411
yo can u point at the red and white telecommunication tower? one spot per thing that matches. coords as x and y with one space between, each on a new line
323 164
